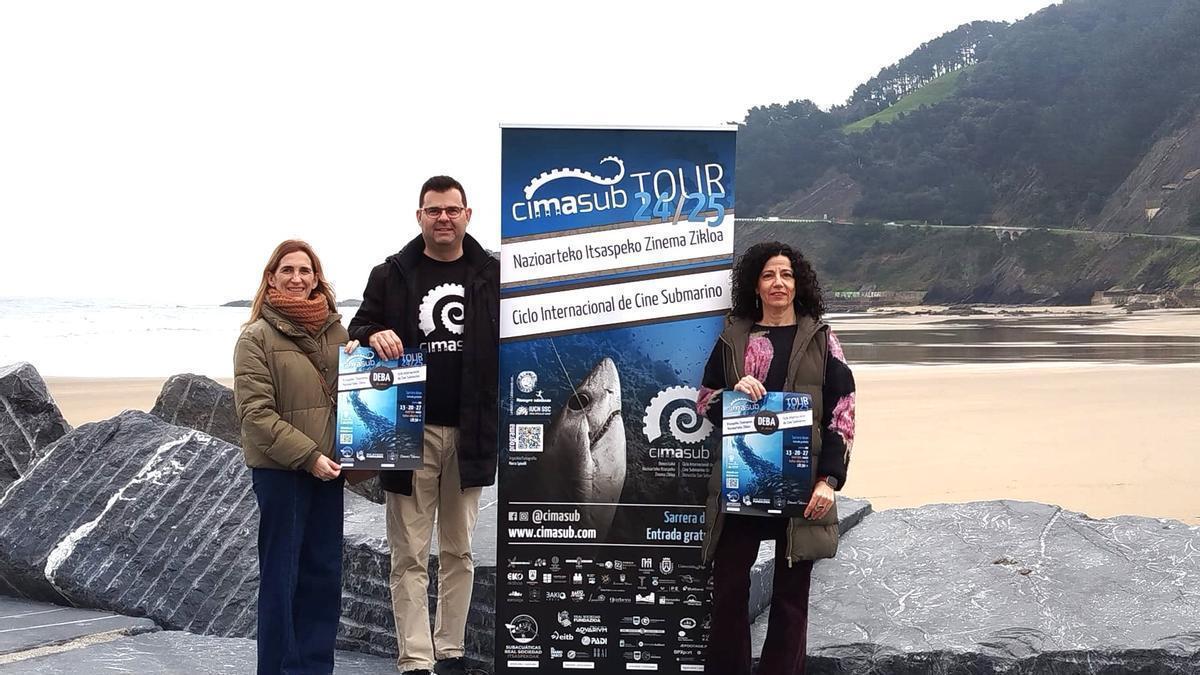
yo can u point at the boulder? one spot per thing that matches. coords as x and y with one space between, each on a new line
1006 587
369 489
144 518
140 517
762 573
367 621
200 403
29 420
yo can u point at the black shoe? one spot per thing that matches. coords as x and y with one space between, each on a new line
454 666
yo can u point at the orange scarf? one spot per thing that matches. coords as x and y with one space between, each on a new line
310 313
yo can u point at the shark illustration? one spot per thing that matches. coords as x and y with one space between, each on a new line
584 460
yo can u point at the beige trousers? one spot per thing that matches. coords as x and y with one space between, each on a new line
410 519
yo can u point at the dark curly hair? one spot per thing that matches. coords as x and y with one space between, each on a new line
745 281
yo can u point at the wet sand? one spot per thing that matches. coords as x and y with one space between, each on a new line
1105 439
1021 336
1101 419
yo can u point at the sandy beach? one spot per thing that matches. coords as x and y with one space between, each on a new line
89 399
1105 439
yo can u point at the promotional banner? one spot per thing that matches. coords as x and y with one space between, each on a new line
380 410
766 453
615 256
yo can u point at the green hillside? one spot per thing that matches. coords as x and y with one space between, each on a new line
1038 123
1081 117
936 91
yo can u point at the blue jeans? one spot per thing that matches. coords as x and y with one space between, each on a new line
300 571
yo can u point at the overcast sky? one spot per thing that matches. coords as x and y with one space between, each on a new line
157 151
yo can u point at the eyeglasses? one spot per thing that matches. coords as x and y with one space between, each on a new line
437 211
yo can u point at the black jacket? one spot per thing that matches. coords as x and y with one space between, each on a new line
390 301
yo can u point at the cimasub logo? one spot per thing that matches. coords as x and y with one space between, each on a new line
571 204
363 359
442 308
672 413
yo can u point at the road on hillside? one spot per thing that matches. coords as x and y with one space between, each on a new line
995 228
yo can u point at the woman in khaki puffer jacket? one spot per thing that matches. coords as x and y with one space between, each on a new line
285 373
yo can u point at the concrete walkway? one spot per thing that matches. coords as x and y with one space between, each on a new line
40 639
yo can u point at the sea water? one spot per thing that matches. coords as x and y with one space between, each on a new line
105 338
94 338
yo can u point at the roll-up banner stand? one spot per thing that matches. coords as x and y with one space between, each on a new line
616 246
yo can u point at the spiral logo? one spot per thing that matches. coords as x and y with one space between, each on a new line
675 407
442 307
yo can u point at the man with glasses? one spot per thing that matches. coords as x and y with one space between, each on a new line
440 293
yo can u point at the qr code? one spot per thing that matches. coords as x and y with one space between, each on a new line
525 437
345 439
731 482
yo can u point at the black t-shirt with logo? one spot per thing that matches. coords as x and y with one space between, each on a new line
441 318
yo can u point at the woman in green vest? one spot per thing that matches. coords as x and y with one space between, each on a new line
774 340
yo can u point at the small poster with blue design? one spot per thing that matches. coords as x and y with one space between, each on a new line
380 410
766 453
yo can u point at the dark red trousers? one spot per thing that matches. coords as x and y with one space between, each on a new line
787 630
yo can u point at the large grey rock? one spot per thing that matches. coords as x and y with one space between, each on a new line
145 518
29 420
762 574
369 489
140 517
1007 587
26 625
176 653
367 620
200 403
